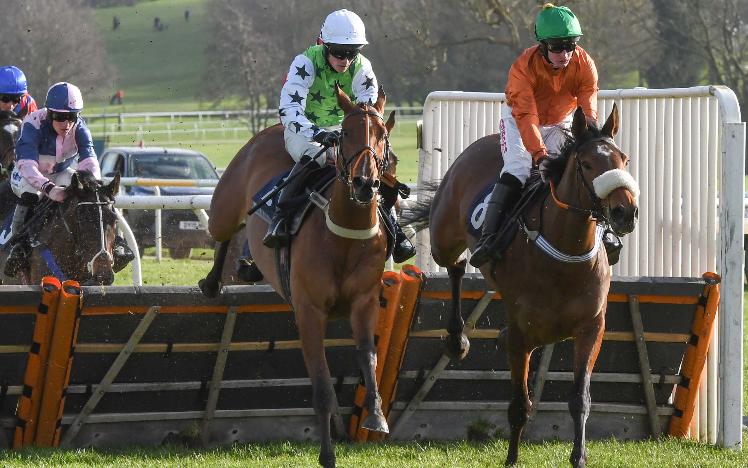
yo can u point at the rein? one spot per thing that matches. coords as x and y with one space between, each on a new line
345 165
102 234
596 213
345 168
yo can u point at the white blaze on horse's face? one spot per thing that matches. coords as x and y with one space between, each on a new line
11 129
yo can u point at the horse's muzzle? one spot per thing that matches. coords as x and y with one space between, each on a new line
623 218
364 189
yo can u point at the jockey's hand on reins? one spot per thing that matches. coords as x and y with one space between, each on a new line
326 138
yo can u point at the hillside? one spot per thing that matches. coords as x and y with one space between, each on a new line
157 69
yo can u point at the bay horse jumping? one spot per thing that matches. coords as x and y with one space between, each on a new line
73 239
552 294
336 259
10 127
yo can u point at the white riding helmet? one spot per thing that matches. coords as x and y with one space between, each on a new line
343 27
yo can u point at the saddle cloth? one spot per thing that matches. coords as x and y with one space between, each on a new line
298 207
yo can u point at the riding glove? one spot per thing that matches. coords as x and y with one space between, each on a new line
326 138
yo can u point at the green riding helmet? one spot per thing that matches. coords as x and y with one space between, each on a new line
556 23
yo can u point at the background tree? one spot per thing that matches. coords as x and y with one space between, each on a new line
53 41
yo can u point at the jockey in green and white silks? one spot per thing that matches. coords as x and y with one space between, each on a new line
310 113
308 105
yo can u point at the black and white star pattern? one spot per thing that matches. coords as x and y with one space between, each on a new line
298 126
282 112
296 97
369 82
301 71
317 96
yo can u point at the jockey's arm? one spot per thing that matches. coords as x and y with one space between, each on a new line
520 96
293 97
27 154
587 87
87 160
364 84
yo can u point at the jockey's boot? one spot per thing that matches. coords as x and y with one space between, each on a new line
247 270
613 246
403 248
20 251
277 235
503 196
122 254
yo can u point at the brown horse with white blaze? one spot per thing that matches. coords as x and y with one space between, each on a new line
554 277
337 258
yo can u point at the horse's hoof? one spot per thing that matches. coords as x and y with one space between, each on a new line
458 348
327 461
209 288
377 423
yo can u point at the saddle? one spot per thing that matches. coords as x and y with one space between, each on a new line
298 207
513 223
296 210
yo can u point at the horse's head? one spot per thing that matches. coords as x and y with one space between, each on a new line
592 158
10 127
89 219
363 155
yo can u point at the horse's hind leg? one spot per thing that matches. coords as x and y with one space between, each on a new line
363 323
211 284
586 347
519 406
458 344
312 327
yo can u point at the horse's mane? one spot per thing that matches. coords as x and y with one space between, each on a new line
556 166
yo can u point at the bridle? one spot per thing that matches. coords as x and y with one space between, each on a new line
102 230
346 165
597 212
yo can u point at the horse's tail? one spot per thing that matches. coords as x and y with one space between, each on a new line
418 214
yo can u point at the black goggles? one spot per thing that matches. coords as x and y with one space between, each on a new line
343 53
557 46
14 98
63 116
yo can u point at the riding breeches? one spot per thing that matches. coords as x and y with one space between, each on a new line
20 186
517 160
299 146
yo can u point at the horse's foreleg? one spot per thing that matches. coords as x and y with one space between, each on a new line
363 323
458 344
211 284
586 348
519 407
312 332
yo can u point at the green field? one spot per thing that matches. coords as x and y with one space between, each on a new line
609 453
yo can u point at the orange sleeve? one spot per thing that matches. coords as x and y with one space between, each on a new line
588 87
520 96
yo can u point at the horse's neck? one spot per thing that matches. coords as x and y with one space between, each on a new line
569 230
346 213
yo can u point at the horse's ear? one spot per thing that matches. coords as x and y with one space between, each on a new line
579 124
611 125
344 101
390 124
112 188
381 99
76 185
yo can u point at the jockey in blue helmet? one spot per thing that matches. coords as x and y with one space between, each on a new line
52 140
14 94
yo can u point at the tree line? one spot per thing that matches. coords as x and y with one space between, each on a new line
417 46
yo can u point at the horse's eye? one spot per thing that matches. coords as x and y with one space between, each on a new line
586 166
